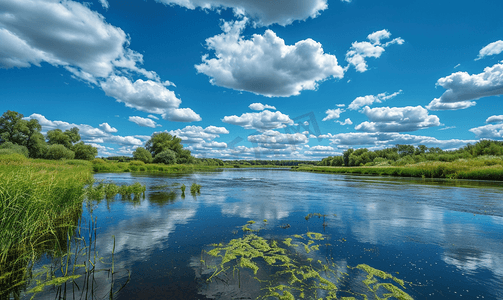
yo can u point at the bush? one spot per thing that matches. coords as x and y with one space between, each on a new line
59 152
142 154
167 157
14 148
136 163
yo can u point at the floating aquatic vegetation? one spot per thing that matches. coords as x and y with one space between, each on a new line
292 268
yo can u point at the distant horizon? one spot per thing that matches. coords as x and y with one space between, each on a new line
256 80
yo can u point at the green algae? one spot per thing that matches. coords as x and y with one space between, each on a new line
284 271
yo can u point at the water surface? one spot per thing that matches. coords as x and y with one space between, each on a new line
444 239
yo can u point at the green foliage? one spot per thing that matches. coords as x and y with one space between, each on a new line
85 152
59 152
22 132
163 141
142 154
167 157
67 138
14 148
194 188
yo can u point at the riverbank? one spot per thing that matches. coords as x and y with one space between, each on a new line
478 169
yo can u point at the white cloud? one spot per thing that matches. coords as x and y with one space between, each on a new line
143 122
346 122
389 139
340 105
271 137
181 115
263 12
494 48
153 117
88 133
105 4
264 65
495 119
491 131
262 121
148 96
260 106
107 128
72 36
437 105
370 99
322 148
397 119
333 114
461 86
196 134
360 50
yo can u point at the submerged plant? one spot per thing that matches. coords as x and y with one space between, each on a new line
289 269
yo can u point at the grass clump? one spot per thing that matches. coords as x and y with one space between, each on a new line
195 188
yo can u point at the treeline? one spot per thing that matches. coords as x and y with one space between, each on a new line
400 155
195 160
285 163
21 136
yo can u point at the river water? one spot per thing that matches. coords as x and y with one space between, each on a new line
444 239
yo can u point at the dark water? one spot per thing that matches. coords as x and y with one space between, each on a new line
444 241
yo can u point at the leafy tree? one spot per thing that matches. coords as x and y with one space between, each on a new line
59 152
22 132
346 155
185 157
83 151
142 154
162 141
167 157
67 138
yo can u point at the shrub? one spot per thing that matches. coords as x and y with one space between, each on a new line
167 157
59 152
136 163
14 148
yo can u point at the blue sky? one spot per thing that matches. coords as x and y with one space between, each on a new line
257 79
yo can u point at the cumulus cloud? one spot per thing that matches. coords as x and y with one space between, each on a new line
397 119
346 122
148 96
263 12
107 128
270 138
333 114
494 48
265 65
495 119
73 36
181 115
105 4
262 121
197 134
260 106
436 104
153 117
370 99
143 122
88 133
463 87
389 139
491 131
360 50
321 151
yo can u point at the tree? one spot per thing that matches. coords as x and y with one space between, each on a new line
167 157
14 148
162 141
59 152
142 154
83 151
22 132
67 138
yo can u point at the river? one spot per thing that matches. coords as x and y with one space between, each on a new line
444 239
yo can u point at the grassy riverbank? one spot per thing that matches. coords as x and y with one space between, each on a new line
480 168
102 166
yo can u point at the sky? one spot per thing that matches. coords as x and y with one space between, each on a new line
256 79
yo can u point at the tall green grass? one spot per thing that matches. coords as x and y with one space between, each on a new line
480 168
39 202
